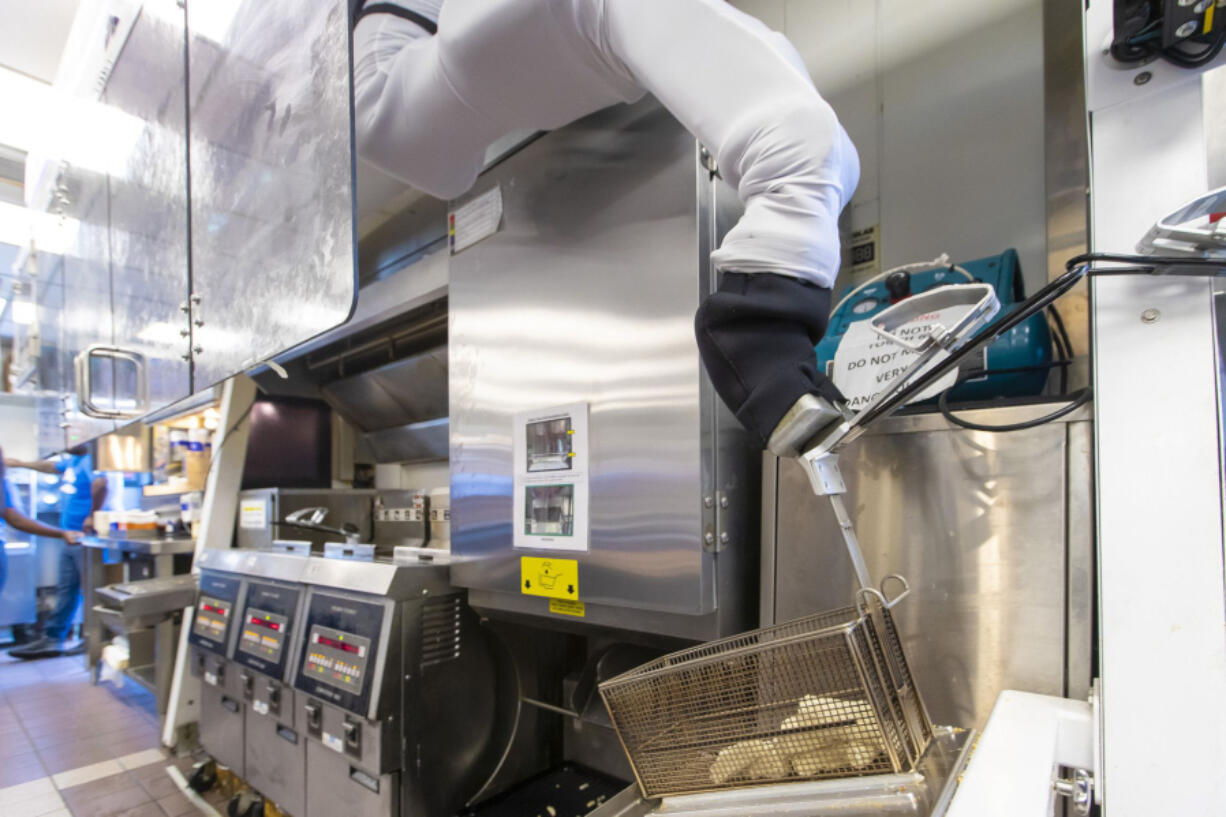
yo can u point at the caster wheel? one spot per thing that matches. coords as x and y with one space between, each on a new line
245 804
256 809
203 776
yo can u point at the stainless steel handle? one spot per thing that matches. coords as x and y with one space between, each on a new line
885 601
1175 233
84 384
980 299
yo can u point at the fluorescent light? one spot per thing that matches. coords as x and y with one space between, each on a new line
163 333
212 20
57 126
20 226
24 313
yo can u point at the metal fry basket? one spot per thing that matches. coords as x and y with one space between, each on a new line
825 696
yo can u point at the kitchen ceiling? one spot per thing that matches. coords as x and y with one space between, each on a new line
33 35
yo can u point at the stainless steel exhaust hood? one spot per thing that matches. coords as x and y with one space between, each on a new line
401 407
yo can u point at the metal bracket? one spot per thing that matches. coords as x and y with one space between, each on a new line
708 161
722 537
1079 790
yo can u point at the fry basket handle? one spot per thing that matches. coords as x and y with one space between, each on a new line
886 602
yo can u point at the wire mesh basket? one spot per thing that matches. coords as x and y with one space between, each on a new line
821 697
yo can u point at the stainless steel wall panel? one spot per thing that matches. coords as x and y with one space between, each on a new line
992 531
587 294
352 506
273 250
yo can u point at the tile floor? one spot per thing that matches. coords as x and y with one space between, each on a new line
69 748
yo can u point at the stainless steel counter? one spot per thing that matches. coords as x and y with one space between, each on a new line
142 547
151 638
926 793
993 530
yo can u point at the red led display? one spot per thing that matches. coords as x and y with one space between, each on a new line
336 645
259 622
209 608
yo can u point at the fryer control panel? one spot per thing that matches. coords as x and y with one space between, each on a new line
215 605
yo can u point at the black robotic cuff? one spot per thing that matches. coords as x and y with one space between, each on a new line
756 335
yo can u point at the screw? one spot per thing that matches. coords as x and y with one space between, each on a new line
1150 315
184 333
183 307
197 349
707 502
709 538
723 501
1142 78
724 537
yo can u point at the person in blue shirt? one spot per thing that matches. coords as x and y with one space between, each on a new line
15 519
83 493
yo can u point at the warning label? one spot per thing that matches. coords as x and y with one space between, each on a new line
568 608
866 363
551 578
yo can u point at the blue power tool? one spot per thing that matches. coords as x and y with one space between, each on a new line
1016 365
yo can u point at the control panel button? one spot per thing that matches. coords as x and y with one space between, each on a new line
353 737
314 713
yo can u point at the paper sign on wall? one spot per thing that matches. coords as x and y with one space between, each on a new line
866 363
475 220
550 452
253 514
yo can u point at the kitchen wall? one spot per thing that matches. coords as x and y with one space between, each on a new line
944 101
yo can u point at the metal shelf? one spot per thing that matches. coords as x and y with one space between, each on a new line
143 675
172 489
147 547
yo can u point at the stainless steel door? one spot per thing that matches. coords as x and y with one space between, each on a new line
272 203
148 209
120 188
85 317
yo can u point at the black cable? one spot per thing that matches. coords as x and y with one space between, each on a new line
1064 336
1076 268
1031 306
1147 264
1176 55
1065 343
1080 399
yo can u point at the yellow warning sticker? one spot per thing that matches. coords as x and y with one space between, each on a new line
551 578
568 608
